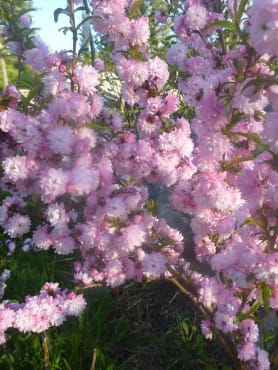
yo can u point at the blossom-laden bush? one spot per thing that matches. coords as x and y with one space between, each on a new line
77 171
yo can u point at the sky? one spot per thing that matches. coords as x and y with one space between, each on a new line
43 18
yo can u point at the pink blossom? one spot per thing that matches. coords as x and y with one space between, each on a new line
15 168
75 304
249 102
270 133
38 57
86 138
96 105
83 179
87 78
247 351
262 360
132 236
53 84
196 17
206 329
42 238
115 273
158 72
176 54
71 107
263 26
17 225
61 140
154 264
56 215
139 31
53 182
6 321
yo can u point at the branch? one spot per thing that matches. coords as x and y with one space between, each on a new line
92 45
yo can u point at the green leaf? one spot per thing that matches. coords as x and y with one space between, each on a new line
84 20
185 328
254 221
65 29
135 7
80 8
259 82
248 314
265 294
225 24
59 11
250 136
160 5
260 149
241 10
32 93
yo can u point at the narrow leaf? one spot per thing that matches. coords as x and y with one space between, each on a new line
248 314
135 7
258 82
84 20
241 10
224 24
250 136
185 328
265 294
59 11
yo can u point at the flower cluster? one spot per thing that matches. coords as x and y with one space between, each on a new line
38 313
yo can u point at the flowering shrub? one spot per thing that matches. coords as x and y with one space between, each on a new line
87 167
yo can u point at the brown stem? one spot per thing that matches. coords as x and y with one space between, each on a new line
93 365
92 45
224 339
3 68
74 40
222 42
45 348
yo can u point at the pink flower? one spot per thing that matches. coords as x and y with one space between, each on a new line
196 17
15 168
53 182
61 139
42 238
99 64
96 105
7 317
38 57
115 273
264 26
154 264
132 236
17 225
149 124
176 54
158 73
247 101
139 31
87 78
206 329
75 304
83 179
56 215
270 133
171 104
247 351
71 107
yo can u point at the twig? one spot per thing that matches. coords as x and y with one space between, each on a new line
45 348
94 360
74 40
92 45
